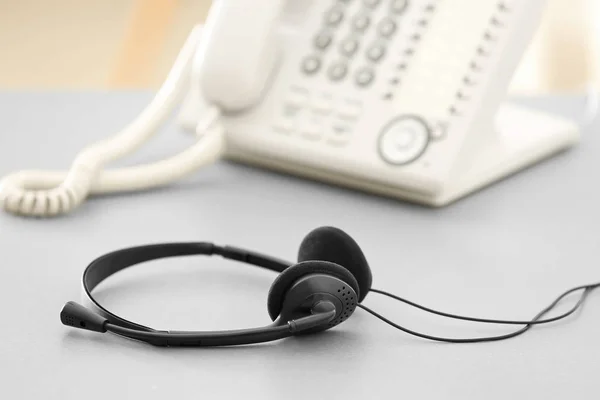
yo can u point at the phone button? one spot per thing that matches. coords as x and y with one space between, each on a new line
312 130
439 130
340 135
398 6
403 140
386 28
338 71
364 76
376 52
297 100
323 40
360 23
349 110
322 104
311 65
349 47
371 3
284 126
334 16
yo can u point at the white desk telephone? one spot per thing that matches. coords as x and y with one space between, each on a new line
396 97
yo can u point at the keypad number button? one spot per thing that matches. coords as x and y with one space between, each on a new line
360 23
399 6
334 16
376 52
338 71
364 76
311 65
349 46
371 3
323 40
386 28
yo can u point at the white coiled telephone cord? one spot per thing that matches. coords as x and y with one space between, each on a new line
51 193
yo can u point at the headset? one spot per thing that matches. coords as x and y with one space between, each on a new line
326 286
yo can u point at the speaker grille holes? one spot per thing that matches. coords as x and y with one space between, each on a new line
348 305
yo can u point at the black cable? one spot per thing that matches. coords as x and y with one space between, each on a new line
528 324
486 320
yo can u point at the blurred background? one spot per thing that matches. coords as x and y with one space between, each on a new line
123 44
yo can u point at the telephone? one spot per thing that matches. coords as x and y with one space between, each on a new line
402 98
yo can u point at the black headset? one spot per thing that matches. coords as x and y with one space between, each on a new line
330 280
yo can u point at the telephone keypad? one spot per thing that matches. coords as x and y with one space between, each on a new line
347 26
354 37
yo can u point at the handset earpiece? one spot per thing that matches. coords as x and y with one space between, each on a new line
235 80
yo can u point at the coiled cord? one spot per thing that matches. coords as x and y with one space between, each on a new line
51 193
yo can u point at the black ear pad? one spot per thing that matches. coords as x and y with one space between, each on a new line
286 279
336 246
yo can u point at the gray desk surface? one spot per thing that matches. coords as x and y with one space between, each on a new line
504 252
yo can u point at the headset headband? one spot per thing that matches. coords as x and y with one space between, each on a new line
111 263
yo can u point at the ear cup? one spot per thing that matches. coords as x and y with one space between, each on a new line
290 275
336 246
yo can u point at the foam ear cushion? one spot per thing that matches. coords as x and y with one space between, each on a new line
286 279
336 246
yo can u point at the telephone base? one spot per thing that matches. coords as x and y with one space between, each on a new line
523 137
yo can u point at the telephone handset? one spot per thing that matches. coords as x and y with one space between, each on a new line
397 97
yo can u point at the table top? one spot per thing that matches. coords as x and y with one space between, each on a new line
504 252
